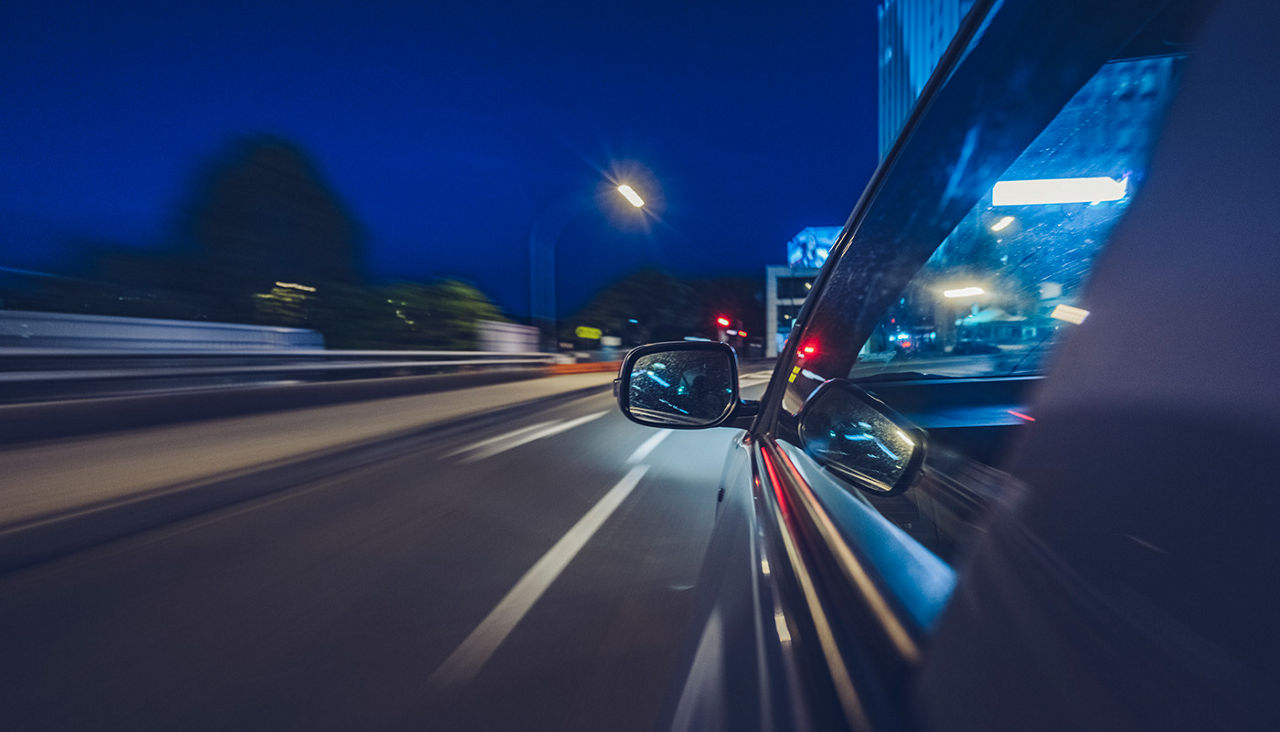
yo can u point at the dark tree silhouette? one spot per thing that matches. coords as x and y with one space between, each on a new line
262 213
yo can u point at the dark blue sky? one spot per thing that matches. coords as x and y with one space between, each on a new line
447 130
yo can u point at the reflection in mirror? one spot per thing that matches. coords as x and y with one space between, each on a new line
848 432
688 388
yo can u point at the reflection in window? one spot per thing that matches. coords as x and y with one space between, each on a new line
1006 281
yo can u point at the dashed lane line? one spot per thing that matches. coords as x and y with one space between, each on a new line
552 429
647 446
466 660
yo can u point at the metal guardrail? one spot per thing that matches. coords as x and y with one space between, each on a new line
30 374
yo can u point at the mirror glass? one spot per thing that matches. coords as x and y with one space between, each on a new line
843 429
687 388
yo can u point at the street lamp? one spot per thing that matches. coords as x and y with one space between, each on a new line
542 255
630 194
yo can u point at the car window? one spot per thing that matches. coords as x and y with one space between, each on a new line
1000 289
1006 283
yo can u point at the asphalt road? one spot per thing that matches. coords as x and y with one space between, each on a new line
530 575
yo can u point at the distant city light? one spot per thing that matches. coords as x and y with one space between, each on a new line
1069 314
1002 224
1058 190
296 286
732 332
630 194
722 321
742 333
964 292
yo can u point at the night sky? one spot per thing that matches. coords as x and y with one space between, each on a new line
449 131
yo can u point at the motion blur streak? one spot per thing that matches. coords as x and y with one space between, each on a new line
554 429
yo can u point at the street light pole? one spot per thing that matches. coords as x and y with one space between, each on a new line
543 237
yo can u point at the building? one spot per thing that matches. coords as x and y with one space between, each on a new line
787 285
913 36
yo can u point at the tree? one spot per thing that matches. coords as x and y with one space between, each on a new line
442 314
662 306
262 213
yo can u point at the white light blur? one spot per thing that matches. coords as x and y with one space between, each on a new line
780 622
764 567
1069 314
1058 190
1002 224
296 286
630 194
964 292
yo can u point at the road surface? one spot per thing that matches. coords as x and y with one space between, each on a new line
534 574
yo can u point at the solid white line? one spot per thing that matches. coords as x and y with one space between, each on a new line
647 446
467 659
548 431
499 438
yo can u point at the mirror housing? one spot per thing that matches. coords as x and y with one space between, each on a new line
683 385
858 437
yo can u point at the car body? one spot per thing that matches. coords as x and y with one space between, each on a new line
1085 544
969 347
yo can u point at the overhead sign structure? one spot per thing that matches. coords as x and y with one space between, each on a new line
588 333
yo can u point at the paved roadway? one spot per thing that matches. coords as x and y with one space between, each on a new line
530 575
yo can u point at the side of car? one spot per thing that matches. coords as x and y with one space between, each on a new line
854 496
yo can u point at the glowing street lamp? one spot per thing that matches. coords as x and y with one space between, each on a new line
630 194
964 292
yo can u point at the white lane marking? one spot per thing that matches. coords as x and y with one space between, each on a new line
553 429
467 659
499 438
647 446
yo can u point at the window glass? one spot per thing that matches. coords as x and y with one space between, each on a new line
794 287
1006 282
1002 287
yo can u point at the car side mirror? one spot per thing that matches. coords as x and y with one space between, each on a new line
681 385
860 438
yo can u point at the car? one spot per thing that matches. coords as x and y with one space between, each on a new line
969 347
1080 534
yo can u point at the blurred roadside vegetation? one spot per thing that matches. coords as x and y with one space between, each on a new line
264 239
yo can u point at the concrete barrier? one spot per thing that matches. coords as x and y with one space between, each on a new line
29 422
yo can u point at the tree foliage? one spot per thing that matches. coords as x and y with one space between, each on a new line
665 307
442 314
262 213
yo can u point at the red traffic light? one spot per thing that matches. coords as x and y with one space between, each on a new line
722 321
